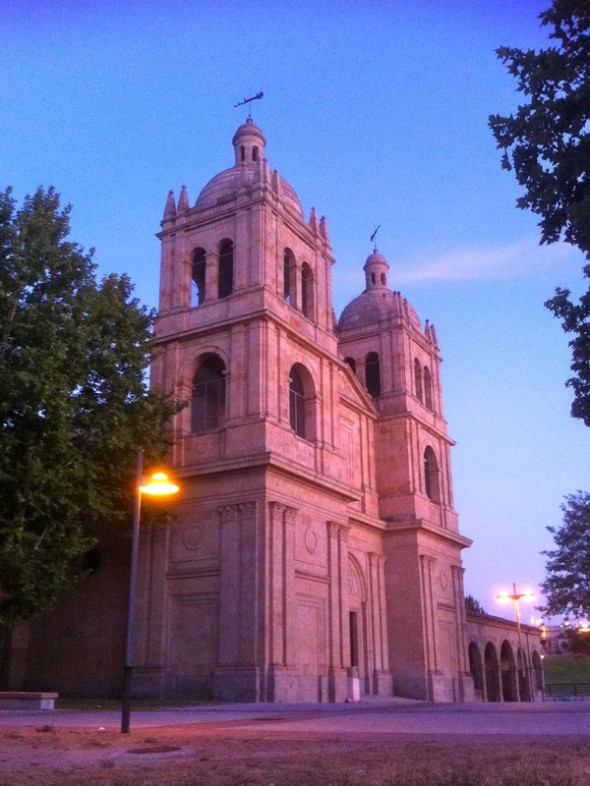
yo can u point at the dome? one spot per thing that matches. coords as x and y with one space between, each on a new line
288 196
250 165
222 188
375 306
378 302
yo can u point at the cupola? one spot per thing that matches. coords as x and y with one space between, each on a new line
376 269
249 143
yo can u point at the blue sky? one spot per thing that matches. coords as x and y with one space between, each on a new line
376 112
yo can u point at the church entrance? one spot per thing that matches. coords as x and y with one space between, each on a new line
357 625
508 672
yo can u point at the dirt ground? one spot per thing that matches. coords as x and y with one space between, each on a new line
228 756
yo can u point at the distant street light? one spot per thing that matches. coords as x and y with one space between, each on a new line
158 485
516 597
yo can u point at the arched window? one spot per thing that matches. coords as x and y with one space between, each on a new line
431 475
208 403
373 374
226 269
383 279
418 379
254 153
198 277
427 388
302 402
289 276
306 290
297 403
242 153
351 362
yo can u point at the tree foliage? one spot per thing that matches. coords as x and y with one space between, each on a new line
567 585
546 144
547 141
473 606
74 404
575 319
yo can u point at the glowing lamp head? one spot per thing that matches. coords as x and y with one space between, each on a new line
159 485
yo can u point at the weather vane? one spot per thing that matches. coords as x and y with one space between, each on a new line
374 235
257 97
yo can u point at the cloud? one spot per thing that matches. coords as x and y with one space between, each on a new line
488 261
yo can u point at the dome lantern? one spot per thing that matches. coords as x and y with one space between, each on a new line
249 143
376 269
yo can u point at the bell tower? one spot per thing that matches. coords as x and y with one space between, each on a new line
381 338
257 561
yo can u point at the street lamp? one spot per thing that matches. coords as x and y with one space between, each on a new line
158 485
516 597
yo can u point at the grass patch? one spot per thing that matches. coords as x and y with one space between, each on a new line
560 669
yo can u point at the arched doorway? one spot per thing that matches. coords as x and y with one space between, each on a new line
492 673
508 672
357 618
475 667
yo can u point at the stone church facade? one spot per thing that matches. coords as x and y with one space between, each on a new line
314 553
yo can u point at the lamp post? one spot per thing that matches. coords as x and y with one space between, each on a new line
157 485
516 597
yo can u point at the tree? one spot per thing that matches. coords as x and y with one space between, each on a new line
473 606
567 586
74 403
547 145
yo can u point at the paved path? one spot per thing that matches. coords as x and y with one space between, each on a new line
367 719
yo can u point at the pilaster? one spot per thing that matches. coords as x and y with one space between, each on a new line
430 640
380 655
241 628
338 643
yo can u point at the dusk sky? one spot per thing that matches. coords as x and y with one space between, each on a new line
376 113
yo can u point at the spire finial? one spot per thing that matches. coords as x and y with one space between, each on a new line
183 203
257 97
374 235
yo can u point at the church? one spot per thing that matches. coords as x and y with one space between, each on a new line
314 553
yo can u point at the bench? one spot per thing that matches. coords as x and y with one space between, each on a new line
27 700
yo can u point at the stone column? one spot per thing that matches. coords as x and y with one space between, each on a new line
281 612
381 675
237 677
181 274
211 276
152 621
166 275
430 640
230 586
465 681
338 608
237 394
